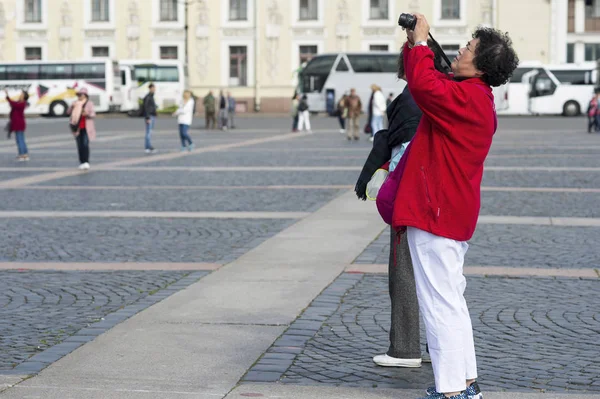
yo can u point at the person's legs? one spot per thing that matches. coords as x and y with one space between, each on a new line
356 126
232 119
185 132
301 121
20 139
404 330
181 136
307 120
597 119
438 266
147 143
85 146
206 120
295 123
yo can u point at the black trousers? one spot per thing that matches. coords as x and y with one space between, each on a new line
83 146
405 329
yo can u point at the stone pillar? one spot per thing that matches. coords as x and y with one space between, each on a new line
579 16
559 15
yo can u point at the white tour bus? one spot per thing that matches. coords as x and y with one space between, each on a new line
168 77
519 88
52 84
327 77
562 89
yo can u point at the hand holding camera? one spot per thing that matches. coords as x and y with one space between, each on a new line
416 26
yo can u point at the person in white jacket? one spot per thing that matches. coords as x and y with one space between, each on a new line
378 110
185 114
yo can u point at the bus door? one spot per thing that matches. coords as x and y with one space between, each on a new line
128 90
338 82
541 92
313 79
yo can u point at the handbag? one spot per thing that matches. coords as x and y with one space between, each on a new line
374 185
368 129
75 127
386 197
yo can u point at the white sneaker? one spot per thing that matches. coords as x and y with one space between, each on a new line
86 166
148 150
372 139
82 166
388 361
342 131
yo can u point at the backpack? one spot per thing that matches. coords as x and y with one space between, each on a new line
303 106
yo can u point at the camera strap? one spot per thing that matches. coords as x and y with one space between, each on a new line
441 51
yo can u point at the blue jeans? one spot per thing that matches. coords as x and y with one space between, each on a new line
376 124
149 128
184 135
21 145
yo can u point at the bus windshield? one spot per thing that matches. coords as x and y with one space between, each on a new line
312 78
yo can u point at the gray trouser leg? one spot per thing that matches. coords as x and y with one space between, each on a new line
404 330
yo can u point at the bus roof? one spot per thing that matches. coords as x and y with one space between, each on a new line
151 62
563 67
57 62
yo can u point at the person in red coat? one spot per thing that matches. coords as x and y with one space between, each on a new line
438 196
17 123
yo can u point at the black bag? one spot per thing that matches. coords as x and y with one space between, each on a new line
303 106
75 127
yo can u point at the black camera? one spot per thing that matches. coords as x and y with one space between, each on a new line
407 21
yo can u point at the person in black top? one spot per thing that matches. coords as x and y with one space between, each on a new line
222 111
404 116
149 112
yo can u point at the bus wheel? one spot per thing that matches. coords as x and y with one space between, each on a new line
58 108
571 108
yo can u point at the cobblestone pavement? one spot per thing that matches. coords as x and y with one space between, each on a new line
133 239
515 246
39 310
536 334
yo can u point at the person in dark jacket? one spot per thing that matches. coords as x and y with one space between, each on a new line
404 116
222 111
17 123
438 197
149 110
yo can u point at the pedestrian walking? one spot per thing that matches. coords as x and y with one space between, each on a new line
304 115
294 112
222 111
378 108
451 144
354 108
594 112
17 123
404 116
209 110
231 103
149 110
82 114
342 113
185 115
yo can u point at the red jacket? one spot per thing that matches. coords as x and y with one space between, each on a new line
439 191
17 115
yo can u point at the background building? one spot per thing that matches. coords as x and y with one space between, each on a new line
254 47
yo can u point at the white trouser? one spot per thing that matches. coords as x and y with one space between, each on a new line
438 264
303 118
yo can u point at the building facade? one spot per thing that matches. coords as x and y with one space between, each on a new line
253 48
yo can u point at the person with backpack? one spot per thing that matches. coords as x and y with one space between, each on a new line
17 123
594 112
149 112
82 114
354 107
304 115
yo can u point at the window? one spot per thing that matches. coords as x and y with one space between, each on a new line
167 74
342 66
100 52
309 10
238 66
307 53
33 11
238 10
378 9
33 53
168 52
592 51
450 47
570 53
168 10
22 72
89 71
450 9
379 47
100 11
50 72
592 8
517 76
573 77
152 73
374 63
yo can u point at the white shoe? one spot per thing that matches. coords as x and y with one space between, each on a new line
86 166
148 151
388 361
342 131
372 139
82 166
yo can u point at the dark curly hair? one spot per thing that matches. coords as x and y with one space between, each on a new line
438 60
494 56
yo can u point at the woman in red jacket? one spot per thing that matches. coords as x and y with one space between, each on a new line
17 123
438 198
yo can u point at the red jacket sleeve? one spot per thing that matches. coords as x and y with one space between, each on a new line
440 98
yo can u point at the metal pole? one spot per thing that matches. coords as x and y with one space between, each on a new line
257 70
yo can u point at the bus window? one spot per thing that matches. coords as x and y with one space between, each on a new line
371 63
145 73
573 77
167 74
389 63
22 72
342 66
89 71
59 71
3 72
517 76
314 75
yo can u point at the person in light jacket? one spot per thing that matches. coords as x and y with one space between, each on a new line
82 114
17 123
185 114
378 110
231 110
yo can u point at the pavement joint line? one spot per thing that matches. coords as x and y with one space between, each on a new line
142 214
107 389
34 364
102 266
145 159
274 187
359 268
